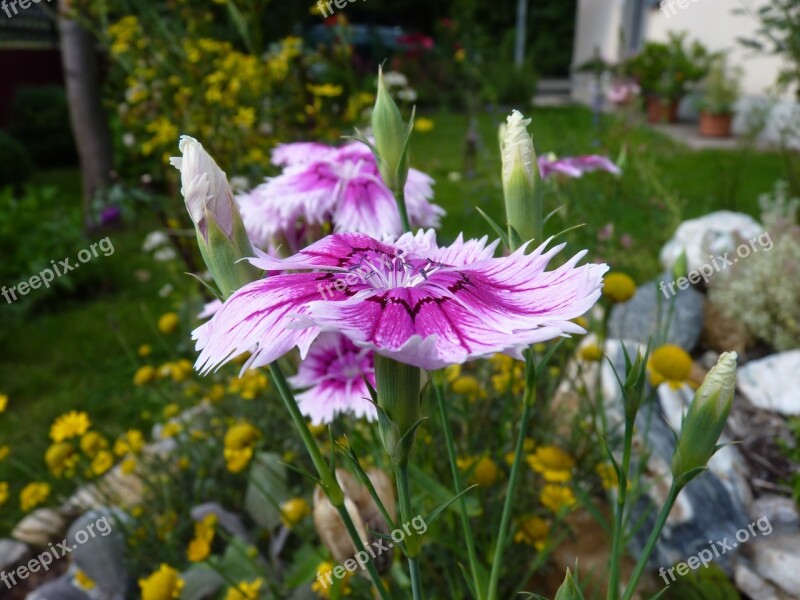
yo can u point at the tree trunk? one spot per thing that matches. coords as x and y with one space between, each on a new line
89 123
522 30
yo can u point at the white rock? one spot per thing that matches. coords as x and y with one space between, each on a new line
11 553
772 383
778 509
777 560
710 236
39 527
754 586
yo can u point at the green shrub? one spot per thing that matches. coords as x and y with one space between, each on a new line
39 118
15 161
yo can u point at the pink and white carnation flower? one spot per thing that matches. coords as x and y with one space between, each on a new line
333 376
575 166
322 184
410 300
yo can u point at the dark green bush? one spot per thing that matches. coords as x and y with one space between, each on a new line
15 162
39 118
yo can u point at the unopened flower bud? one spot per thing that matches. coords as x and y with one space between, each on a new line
706 418
398 387
221 235
520 176
391 138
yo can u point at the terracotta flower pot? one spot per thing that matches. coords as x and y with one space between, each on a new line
662 111
712 125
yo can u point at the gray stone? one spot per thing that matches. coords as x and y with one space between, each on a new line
777 559
39 527
11 553
780 510
60 589
98 543
771 383
649 311
749 582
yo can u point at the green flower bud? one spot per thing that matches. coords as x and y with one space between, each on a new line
391 138
705 419
520 176
221 235
398 387
569 590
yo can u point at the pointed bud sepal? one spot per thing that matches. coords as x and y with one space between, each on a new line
569 590
705 419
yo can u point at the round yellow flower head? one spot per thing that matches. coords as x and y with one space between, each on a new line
164 584
60 458
532 531
590 353
84 581
92 442
608 475
5 450
294 510
557 497
32 495
144 350
3 492
3 402
144 375
240 436
669 363
102 462
423 125
553 463
70 425
485 473
619 287
245 591
168 323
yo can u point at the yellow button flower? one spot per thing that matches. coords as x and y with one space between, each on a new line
164 584
591 353
556 497
92 442
485 473
3 492
554 464
532 531
168 323
293 511
102 462
4 452
423 125
619 287
32 495
144 375
245 591
669 363
3 403
60 458
70 425
608 475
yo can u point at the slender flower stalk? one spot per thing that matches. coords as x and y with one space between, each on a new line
529 398
438 388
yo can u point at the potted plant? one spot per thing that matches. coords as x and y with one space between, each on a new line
665 72
721 91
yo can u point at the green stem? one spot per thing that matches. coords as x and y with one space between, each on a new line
451 452
329 483
619 516
400 198
412 546
674 490
494 578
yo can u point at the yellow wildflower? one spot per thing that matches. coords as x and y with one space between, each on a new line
3 492
170 410
671 364
92 442
293 511
3 403
171 429
164 584
591 353
144 350
4 452
32 495
469 386
128 466
460 55
553 463
70 425
237 459
608 475
452 373
325 581
241 435
326 90
423 125
102 462
168 323
532 531
485 473
144 375
130 442
200 547
60 458
245 591
556 497
619 287
83 581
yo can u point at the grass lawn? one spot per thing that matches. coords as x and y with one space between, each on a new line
77 352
